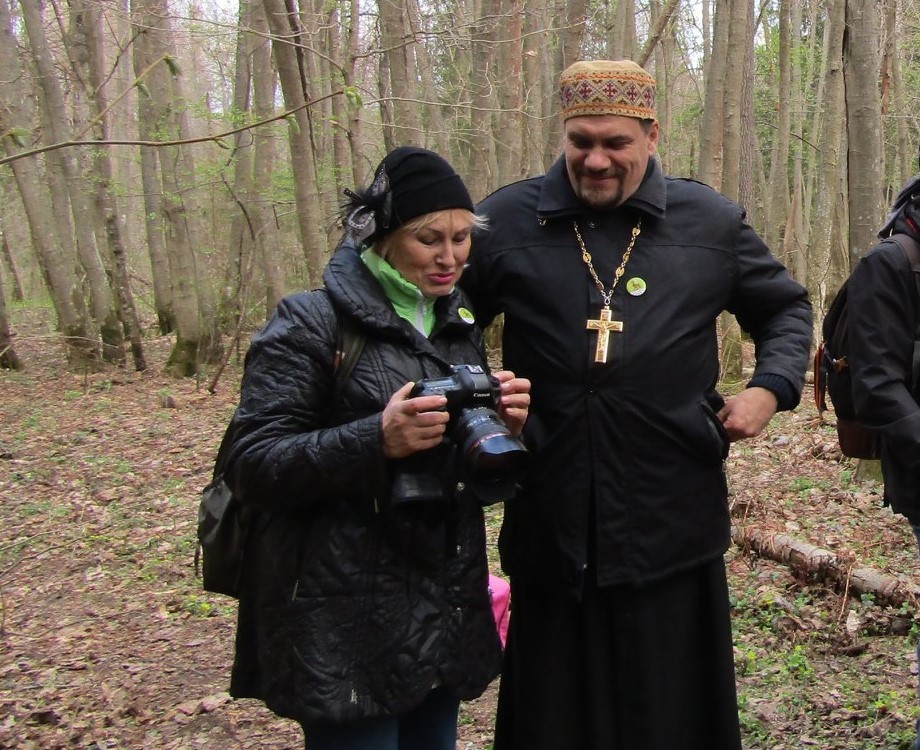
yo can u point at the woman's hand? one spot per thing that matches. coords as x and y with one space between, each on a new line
515 400
412 424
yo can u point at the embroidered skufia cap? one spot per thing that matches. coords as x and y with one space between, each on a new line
408 183
607 87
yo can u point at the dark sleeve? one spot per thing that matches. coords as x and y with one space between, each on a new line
882 298
774 309
286 455
786 395
475 279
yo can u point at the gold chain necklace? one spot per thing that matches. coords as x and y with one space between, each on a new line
605 324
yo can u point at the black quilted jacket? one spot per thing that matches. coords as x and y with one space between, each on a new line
352 606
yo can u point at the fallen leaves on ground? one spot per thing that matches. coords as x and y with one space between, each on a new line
108 641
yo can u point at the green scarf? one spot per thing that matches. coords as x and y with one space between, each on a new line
407 299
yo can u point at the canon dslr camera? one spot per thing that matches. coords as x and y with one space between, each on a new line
491 459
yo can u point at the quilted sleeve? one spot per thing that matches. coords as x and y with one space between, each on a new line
285 456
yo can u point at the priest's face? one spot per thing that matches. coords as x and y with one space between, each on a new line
606 156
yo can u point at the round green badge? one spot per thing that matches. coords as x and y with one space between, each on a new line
636 286
466 315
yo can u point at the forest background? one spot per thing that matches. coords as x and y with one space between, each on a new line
170 170
181 164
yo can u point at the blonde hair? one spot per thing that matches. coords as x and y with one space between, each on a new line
385 245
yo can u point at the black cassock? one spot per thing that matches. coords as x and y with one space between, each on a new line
626 668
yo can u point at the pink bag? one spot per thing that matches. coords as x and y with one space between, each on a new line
500 592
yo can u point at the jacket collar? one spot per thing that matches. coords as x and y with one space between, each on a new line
356 292
558 199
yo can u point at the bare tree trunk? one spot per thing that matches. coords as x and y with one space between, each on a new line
483 170
570 19
507 126
164 302
806 167
75 192
706 12
124 126
663 57
163 297
737 45
268 241
319 49
711 130
861 46
622 43
736 49
434 135
342 143
827 268
151 68
358 167
86 21
9 360
399 41
751 186
808 74
239 261
57 265
306 192
317 85
538 94
254 239
777 204
905 163
198 337
18 291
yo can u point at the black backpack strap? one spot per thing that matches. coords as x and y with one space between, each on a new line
911 249
350 344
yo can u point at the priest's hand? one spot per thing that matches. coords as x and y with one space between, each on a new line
746 414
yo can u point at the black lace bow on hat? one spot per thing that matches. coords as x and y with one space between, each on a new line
906 202
368 212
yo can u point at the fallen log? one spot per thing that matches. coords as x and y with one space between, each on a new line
816 564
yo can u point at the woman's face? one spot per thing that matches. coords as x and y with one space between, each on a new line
432 257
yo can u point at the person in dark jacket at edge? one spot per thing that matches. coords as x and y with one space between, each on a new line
884 355
611 277
365 613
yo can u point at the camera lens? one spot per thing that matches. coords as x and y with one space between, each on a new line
490 452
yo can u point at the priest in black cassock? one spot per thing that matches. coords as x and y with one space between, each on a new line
611 277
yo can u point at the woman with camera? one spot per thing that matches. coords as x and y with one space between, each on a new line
364 613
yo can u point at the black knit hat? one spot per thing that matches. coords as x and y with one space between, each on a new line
408 183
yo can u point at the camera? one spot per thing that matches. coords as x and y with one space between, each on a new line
491 459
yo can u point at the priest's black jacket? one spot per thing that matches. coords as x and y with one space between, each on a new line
628 454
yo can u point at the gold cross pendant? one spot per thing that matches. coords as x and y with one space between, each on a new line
603 327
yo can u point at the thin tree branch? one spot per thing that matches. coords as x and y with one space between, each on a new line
216 138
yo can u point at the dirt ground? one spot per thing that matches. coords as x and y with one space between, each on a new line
107 640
